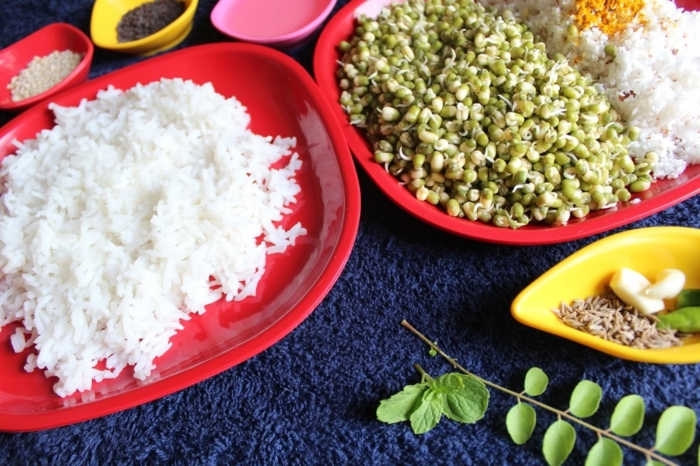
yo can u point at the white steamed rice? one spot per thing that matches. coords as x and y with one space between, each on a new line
113 222
659 61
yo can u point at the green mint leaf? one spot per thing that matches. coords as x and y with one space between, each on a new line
585 399
464 397
675 430
558 442
449 383
520 422
399 407
605 452
628 417
428 413
536 381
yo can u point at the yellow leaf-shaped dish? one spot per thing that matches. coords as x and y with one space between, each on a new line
588 271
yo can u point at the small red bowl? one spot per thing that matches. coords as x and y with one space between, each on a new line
16 57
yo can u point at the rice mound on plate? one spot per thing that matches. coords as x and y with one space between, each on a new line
652 80
113 222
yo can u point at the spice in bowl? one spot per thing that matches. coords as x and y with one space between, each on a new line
634 314
611 18
608 317
43 73
148 19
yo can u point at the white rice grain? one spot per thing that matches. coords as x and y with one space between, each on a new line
113 222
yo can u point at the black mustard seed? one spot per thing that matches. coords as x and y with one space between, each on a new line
148 18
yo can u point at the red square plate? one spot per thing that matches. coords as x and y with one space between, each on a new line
282 99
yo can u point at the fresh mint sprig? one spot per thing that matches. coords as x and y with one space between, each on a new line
459 397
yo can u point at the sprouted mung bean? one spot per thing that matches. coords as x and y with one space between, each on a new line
465 107
608 317
645 54
43 73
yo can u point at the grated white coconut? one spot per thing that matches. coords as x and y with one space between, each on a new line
659 61
113 222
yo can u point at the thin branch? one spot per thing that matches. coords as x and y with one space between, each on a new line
647 452
424 376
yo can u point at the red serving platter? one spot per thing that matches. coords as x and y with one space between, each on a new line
282 99
663 194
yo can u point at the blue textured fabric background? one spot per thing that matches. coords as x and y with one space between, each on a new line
311 398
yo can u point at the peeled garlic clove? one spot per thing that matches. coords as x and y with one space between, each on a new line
630 287
669 282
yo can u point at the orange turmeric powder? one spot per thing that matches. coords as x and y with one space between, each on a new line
610 16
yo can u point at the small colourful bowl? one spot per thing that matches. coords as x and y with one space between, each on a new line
106 15
588 271
275 23
55 36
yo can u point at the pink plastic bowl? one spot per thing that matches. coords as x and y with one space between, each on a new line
277 23
16 57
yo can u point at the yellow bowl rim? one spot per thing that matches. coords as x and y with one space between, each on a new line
186 17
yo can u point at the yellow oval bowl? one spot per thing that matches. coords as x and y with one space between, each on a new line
588 271
106 15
